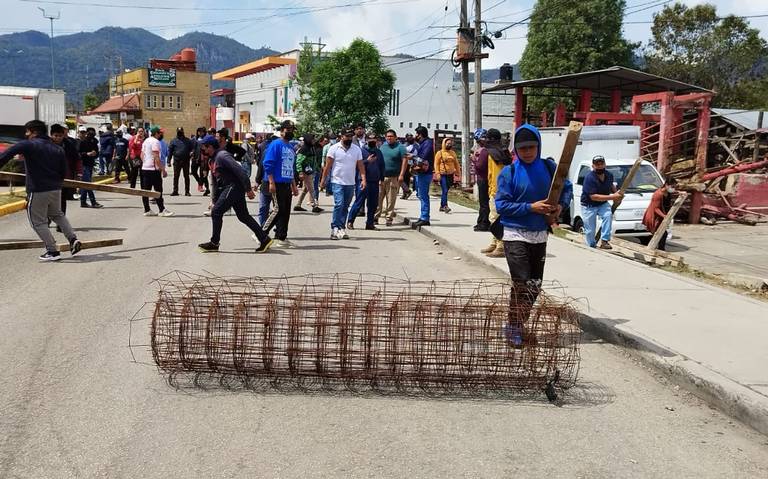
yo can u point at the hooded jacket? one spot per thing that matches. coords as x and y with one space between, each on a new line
107 143
446 162
521 184
498 158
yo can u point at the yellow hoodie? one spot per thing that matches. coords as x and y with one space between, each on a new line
445 161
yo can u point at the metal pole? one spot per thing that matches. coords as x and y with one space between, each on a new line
464 23
51 18
478 69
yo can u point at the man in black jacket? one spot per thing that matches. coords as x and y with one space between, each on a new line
180 152
89 151
121 156
46 167
232 185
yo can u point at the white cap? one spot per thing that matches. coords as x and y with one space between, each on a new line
82 128
248 136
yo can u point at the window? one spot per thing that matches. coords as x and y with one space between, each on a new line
401 124
446 126
147 103
455 126
154 101
429 125
394 103
410 124
162 102
582 174
178 102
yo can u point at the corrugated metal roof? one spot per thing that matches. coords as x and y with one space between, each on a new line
118 103
746 119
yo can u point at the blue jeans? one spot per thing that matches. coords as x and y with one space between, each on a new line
104 161
265 201
370 195
318 174
446 181
247 167
87 194
342 197
423 180
590 214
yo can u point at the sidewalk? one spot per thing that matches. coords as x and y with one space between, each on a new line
712 341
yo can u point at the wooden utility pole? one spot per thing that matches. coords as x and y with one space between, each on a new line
464 27
478 69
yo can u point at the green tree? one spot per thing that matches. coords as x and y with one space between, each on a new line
90 101
571 37
307 120
351 85
695 45
98 95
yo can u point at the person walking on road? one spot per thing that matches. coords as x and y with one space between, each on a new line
89 151
395 167
249 157
180 151
344 160
233 186
106 150
198 167
134 155
153 172
120 159
447 166
46 166
374 174
74 164
279 170
661 202
520 200
480 162
598 189
308 161
424 170
498 158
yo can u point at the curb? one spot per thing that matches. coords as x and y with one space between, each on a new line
732 398
20 205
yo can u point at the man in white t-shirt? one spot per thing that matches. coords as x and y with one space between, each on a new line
341 161
153 171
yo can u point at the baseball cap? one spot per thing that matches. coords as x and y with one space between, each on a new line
480 133
82 128
249 136
155 129
209 140
347 131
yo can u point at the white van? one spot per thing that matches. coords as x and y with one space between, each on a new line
620 146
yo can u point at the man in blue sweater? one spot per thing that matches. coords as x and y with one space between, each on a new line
424 169
521 196
373 159
279 163
598 189
46 166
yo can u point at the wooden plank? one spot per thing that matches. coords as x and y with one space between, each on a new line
654 243
564 165
93 186
62 246
624 185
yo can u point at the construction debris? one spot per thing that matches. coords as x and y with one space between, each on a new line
4 246
363 331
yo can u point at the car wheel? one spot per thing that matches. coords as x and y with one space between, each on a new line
578 225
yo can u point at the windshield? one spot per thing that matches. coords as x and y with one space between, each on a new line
646 178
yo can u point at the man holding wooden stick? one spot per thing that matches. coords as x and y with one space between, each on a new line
46 166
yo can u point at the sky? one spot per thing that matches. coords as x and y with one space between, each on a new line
416 27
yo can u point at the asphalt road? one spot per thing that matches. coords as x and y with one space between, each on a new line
74 404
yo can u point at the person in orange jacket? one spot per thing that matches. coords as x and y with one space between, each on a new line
446 165
658 208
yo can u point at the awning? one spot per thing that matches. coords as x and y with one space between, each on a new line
266 63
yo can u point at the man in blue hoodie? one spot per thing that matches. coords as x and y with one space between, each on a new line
424 169
106 150
523 187
279 163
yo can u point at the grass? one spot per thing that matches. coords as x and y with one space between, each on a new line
715 280
15 197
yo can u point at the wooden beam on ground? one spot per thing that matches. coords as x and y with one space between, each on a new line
564 165
654 243
624 185
62 246
92 186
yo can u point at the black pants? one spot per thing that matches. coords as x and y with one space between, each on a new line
121 164
180 166
281 215
231 197
152 179
526 268
483 199
133 171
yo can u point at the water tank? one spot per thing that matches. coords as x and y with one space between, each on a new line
188 55
506 72
176 58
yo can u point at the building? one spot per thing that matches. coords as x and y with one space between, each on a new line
170 93
425 93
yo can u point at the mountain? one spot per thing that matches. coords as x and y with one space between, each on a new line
83 60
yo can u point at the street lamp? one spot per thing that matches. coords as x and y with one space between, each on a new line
12 56
51 18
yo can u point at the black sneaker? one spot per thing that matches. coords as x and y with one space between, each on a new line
97 205
75 246
84 205
299 208
207 193
187 194
421 223
50 256
208 247
371 227
317 209
264 246
175 193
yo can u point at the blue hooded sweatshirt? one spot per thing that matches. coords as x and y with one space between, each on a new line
521 184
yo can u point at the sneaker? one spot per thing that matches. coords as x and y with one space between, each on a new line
208 247
371 227
50 256
150 213
207 213
489 248
351 225
317 209
388 223
264 246
75 246
335 234
481 228
97 205
187 194
276 243
442 208
513 335
605 245
344 234
407 195
421 223
200 188
84 205
498 252
299 208
446 209
175 193
76 196
207 193
165 213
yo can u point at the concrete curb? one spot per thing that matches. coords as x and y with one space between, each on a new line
732 398
20 205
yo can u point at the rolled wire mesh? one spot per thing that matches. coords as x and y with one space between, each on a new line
372 329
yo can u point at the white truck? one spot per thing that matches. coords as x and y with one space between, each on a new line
19 105
620 145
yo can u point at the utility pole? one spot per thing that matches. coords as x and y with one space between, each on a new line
51 18
464 28
478 69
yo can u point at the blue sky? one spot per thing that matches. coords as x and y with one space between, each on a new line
394 25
